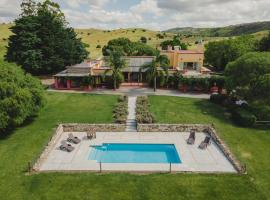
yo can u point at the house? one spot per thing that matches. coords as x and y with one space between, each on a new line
187 62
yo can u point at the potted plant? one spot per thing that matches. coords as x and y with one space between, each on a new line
87 83
184 82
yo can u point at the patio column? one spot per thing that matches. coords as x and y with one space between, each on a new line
129 77
68 84
56 85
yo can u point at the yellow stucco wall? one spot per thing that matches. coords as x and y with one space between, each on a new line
176 57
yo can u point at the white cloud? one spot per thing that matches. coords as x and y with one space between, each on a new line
9 9
101 18
147 7
154 14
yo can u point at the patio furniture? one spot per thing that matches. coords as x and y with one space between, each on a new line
191 138
205 143
72 139
91 135
66 147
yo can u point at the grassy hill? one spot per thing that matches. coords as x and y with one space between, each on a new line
95 37
4 34
228 31
98 38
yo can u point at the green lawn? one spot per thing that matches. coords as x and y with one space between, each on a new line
25 143
251 146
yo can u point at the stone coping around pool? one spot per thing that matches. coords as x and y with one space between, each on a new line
209 128
73 127
78 127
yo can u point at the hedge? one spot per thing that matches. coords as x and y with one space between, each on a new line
120 111
243 117
143 114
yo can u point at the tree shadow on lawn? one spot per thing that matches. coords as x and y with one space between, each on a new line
221 114
10 130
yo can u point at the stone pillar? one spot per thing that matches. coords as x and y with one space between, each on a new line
68 84
56 85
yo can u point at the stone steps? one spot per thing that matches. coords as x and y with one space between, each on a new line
131 124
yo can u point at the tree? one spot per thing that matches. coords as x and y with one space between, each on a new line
41 41
220 53
264 44
28 8
249 75
143 39
157 68
128 47
175 42
21 96
116 63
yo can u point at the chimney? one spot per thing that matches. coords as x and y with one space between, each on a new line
177 48
169 48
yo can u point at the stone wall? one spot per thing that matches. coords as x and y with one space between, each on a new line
225 149
59 130
199 128
171 127
97 127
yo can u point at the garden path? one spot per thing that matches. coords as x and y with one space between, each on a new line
131 124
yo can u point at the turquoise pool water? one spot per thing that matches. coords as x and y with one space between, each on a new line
134 153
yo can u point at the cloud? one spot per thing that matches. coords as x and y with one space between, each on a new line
78 3
214 12
9 10
101 18
154 14
147 7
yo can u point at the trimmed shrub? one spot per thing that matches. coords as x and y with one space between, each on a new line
217 98
243 117
143 114
261 111
21 96
120 111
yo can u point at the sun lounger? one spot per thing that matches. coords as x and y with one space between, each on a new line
205 143
191 138
72 139
66 147
90 135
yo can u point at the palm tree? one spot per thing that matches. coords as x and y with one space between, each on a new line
116 63
157 68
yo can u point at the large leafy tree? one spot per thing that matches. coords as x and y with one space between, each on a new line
117 63
158 68
128 47
174 42
264 44
21 96
220 53
42 43
249 75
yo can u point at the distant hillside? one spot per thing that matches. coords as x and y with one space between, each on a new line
234 30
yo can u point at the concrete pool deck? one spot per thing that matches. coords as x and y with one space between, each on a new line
211 160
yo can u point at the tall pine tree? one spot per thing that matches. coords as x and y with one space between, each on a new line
42 43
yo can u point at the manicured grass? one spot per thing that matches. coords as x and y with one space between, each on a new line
251 146
26 142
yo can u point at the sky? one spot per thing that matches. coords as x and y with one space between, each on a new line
152 14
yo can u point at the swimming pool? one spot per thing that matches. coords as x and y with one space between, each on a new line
134 153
